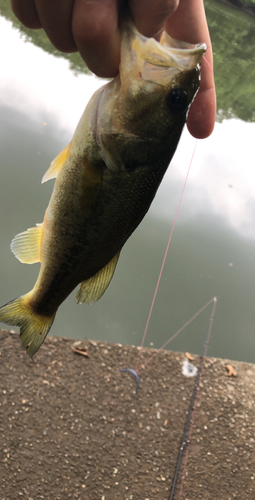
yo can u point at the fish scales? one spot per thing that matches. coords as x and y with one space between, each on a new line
106 178
117 218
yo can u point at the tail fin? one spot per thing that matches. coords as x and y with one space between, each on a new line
33 327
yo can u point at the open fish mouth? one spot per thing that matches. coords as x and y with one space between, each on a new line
168 53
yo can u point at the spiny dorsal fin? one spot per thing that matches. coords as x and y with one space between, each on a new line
92 289
56 165
26 246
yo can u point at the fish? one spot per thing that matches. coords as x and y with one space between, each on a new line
106 178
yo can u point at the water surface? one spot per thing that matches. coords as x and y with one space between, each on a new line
213 247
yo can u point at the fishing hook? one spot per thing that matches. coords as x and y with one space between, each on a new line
136 376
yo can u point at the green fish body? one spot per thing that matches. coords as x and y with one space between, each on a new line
106 178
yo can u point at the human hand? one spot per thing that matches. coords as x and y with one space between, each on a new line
188 23
91 27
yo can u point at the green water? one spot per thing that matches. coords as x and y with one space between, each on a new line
212 252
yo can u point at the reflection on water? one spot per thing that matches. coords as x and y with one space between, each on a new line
212 250
232 33
221 181
39 38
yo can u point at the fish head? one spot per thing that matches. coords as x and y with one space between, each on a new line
147 104
159 80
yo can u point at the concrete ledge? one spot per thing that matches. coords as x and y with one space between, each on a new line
72 426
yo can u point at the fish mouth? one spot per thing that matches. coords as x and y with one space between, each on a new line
186 55
168 52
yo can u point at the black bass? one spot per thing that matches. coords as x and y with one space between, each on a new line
106 178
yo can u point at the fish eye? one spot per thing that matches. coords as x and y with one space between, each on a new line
177 100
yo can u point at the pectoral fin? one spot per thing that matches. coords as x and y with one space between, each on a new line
26 246
56 165
92 289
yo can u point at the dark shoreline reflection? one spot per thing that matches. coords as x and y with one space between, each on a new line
40 39
232 33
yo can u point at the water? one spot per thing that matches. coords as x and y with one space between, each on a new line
213 246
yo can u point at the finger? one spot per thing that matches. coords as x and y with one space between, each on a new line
56 20
26 13
96 34
201 118
150 16
189 24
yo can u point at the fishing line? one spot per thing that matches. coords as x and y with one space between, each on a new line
175 335
197 397
211 68
192 404
163 263
164 259
135 372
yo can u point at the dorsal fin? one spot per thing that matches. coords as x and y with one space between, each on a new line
56 165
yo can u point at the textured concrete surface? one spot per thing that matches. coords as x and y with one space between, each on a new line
72 426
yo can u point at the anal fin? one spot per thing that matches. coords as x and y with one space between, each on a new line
56 165
92 289
26 246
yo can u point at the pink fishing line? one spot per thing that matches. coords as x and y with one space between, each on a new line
175 335
211 68
164 259
166 252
